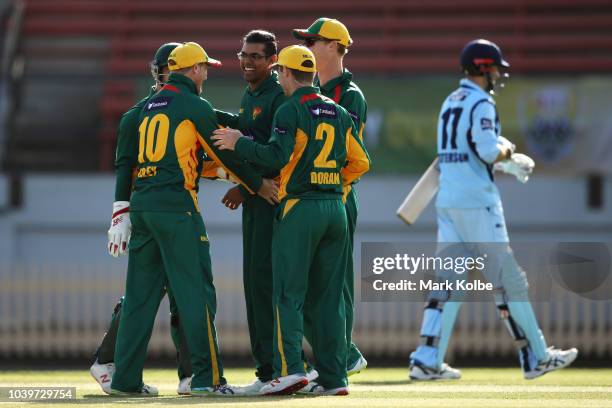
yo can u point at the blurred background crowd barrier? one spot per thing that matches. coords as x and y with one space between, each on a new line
70 68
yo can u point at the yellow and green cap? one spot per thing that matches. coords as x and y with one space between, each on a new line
327 28
189 54
297 57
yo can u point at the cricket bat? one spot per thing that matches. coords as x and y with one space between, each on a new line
420 195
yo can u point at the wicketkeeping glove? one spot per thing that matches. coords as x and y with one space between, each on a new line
120 229
519 165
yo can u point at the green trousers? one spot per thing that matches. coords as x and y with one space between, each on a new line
168 247
309 255
257 223
352 208
106 351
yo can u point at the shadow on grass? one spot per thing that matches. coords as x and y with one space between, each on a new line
177 400
394 382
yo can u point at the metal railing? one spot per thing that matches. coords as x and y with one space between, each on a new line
63 311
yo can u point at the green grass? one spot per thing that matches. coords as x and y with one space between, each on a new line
372 388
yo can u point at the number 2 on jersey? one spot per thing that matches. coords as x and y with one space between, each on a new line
456 112
153 138
326 132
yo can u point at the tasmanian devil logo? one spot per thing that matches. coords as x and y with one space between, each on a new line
325 111
256 112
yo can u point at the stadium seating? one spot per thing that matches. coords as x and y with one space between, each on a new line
110 42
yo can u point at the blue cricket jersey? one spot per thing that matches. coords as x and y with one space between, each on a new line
468 130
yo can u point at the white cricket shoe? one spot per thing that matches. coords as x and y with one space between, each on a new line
216 391
557 359
420 372
145 391
184 386
314 388
254 388
103 374
286 385
356 368
312 375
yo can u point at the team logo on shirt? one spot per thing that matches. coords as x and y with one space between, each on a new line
256 112
323 110
486 124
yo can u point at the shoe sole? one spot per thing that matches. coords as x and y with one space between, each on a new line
432 378
353 372
291 389
567 364
116 393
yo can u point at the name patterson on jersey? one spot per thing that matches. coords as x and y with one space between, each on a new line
453 157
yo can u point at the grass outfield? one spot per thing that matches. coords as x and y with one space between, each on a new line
387 387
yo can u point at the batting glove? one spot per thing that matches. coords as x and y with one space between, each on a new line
120 229
519 165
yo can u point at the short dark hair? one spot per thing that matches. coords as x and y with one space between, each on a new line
266 38
301 76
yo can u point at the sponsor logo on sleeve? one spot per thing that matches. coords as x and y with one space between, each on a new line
158 103
354 116
280 130
486 124
323 111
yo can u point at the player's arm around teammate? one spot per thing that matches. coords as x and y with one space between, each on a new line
309 245
329 40
103 368
261 98
175 128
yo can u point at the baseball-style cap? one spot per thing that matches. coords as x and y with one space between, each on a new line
327 28
189 54
297 57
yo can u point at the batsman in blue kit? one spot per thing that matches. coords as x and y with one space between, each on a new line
470 213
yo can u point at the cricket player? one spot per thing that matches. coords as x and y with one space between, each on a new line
310 143
261 99
126 159
169 241
329 40
470 211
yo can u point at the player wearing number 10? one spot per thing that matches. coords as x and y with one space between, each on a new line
312 138
175 129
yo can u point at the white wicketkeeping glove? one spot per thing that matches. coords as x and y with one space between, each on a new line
519 165
120 229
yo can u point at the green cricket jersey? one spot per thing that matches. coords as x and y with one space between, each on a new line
309 141
175 126
126 154
254 119
347 94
